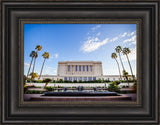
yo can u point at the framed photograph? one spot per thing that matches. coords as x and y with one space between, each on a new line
80 62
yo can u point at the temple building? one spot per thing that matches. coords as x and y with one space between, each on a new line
80 70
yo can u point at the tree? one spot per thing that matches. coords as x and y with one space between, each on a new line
35 56
32 54
24 78
113 87
119 50
125 74
45 56
126 51
47 80
114 56
33 75
38 48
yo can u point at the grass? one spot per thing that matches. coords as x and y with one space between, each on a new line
33 92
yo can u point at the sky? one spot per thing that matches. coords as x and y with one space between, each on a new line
79 42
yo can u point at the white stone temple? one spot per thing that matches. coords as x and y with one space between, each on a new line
80 70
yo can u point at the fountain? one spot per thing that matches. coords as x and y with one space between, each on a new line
80 88
95 89
80 93
65 89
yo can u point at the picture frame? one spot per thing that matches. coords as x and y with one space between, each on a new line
15 13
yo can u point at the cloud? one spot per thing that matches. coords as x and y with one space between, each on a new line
26 64
96 27
134 42
46 72
114 39
124 34
51 57
50 71
127 34
55 71
93 44
98 34
50 67
131 56
56 55
132 39
131 34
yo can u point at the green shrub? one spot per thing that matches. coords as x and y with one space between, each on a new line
38 87
28 80
80 81
99 80
33 92
123 86
24 78
25 88
135 86
66 81
116 82
34 81
31 86
46 80
53 81
39 81
124 81
106 81
113 87
50 88
61 81
127 92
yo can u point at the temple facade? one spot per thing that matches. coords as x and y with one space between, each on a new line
80 70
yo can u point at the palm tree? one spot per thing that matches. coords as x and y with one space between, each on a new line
35 56
45 56
32 54
114 56
38 48
33 75
119 50
126 51
125 74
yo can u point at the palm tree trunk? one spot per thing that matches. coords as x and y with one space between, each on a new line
33 69
123 67
130 66
121 61
41 69
119 69
127 80
29 67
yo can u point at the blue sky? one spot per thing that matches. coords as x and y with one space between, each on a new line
79 42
